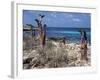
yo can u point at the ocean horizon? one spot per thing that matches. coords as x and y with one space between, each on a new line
70 34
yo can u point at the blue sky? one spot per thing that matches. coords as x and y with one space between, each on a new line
58 19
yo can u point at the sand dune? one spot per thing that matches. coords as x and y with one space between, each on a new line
54 55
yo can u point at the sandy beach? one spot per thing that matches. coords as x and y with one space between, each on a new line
55 55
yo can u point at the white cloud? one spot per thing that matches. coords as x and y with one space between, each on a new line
71 16
53 15
76 19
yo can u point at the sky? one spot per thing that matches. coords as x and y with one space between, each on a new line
58 19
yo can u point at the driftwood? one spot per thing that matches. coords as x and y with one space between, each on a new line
32 62
40 29
27 60
83 45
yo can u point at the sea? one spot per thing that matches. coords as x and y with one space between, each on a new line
70 34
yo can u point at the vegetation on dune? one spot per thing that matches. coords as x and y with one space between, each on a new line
48 57
53 56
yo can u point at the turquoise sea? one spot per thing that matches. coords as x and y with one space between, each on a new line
71 34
